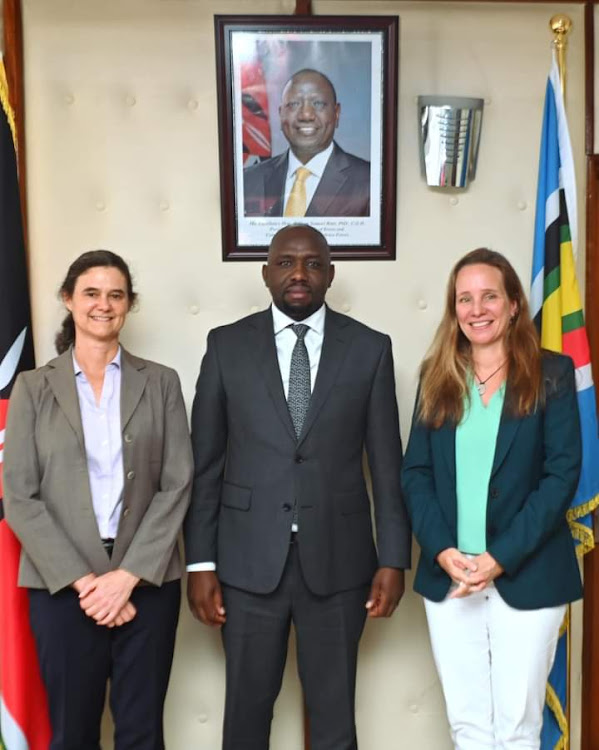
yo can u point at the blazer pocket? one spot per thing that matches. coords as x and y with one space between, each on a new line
234 496
350 503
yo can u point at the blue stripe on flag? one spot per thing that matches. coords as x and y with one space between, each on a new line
548 176
588 486
551 732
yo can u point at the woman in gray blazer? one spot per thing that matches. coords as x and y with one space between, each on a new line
97 473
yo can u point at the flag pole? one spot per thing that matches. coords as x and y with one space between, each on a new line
560 25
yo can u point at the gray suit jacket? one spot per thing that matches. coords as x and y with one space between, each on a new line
46 487
250 469
344 189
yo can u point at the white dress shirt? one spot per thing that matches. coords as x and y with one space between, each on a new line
285 340
316 165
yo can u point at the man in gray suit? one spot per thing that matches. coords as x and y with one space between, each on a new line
315 176
279 529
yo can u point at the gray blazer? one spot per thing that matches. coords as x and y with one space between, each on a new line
47 494
250 469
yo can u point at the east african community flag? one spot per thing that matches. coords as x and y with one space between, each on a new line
557 310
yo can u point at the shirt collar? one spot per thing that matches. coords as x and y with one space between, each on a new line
315 321
316 164
116 360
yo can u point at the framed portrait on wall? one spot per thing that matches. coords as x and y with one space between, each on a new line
308 131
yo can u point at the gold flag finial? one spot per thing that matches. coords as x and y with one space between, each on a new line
560 25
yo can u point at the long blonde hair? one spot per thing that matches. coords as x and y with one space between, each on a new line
448 363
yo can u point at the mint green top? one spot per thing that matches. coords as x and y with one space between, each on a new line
475 440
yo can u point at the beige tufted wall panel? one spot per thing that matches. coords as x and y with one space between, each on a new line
123 153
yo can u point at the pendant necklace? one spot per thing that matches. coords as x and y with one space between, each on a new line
481 385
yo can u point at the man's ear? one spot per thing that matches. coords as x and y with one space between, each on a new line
265 274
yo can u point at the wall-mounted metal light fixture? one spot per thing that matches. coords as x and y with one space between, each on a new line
449 129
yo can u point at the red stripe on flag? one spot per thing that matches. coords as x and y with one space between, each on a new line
22 686
21 682
576 345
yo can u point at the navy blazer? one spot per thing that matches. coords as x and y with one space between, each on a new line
344 189
533 480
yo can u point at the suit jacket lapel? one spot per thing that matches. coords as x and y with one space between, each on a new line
332 181
265 354
61 378
508 427
274 186
334 349
446 437
133 382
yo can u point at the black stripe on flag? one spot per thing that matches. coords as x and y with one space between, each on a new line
14 292
15 312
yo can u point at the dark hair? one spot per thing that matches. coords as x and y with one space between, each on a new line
92 259
448 362
311 71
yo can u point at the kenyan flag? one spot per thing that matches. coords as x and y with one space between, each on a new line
23 710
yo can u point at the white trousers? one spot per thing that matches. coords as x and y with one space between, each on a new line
493 662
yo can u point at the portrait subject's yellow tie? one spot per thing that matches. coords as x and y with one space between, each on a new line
296 203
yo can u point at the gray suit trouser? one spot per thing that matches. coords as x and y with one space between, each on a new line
255 636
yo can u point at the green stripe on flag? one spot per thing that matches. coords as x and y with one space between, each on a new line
572 321
551 283
564 234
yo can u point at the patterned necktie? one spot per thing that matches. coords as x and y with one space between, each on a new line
298 396
296 203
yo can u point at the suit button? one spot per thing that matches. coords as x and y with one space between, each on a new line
286 507
130 475
494 492
299 460
125 512
127 438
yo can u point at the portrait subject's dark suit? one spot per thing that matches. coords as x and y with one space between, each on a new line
344 189
250 470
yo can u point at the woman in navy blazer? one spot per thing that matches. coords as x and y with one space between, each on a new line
491 467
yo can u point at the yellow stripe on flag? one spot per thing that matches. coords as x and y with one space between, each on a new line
551 333
569 285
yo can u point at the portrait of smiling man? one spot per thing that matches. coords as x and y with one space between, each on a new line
279 529
314 176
